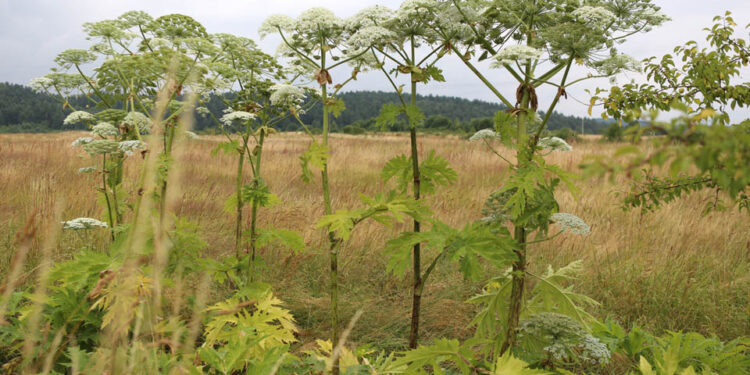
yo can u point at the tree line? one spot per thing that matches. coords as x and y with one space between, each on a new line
26 111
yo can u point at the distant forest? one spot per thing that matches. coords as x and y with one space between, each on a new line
22 110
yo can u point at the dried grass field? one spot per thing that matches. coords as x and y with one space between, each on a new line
674 269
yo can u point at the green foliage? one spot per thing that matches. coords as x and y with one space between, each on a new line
283 237
317 156
390 113
434 171
260 194
613 133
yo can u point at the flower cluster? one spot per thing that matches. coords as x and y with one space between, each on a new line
616 64
41 84
128 147
570 223
139 120
238 116
376 15
483 134
369 36
81 141
554 144
515 53
87 170
313 20
101 146
77 117
597 17
275 22
563 337
105 130
83 223
283 95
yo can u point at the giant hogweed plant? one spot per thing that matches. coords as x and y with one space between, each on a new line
316 43
396 38
132 57
535 42
259 104
700 84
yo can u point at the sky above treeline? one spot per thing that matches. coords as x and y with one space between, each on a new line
33 32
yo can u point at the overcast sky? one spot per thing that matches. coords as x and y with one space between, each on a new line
32 32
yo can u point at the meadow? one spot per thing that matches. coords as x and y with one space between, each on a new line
673 269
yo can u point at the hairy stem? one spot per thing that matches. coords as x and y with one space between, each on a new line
416 260
256 183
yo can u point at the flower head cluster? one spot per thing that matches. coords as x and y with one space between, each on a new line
415 18
563 337
83 223
594 351
78 116
570 223
654 17
81 141
616 64
555 144
101 146
190 135
105 130
376 15
596 17
87 170
313 20
275 22
483 134
283 95
236 116
515 53
127 147
370 36
139 120
41 84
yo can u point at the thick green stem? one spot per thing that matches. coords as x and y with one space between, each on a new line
416 251
256 183
332 240
238 221
106 197
517 291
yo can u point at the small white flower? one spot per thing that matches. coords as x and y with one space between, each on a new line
190 135
483 134
127 147
283 95
137 119
371 16
83 223
78 116
81 141
100 146
104 130
87 170
313 20
654 17
275 22
598 17
616 64
517 52
239 116
41 83
370 36
570 223
555 144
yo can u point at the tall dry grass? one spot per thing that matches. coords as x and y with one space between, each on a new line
674 269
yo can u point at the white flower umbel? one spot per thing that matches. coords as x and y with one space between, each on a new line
654 17
275 22
83 223
596 17
78 116
101 146
237 116
87 170
283 95
41 84
81 141
313 20
483 134
516 53
570 223
137 119
375 15
617 64
370 36
555 144
105 130
190 135
128 147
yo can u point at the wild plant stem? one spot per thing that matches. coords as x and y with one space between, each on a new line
238 221
416 260
254 212
106 198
